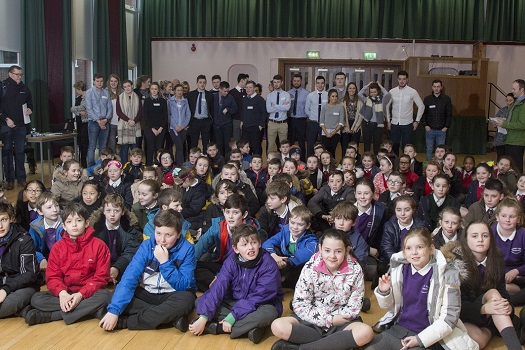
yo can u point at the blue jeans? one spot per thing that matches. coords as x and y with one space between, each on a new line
124 150
14 140
434 138
401 136
96 136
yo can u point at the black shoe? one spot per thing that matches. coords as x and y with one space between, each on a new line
284 345
380 328
35 316
181 324
257 334
122 322
22 313
521 333
100 313
366 305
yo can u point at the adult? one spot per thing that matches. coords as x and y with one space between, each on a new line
225 107
352 105
17 104
277 105
314 102
436 117
515 125
215 84
401 120
179 117
238 93
81 119
155 115
499 137
340 80
100 111
298 117
201 107
142 89
373 112
115 89
253 118
129 111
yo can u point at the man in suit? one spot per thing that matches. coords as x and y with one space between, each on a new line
298 117
225 106
238 93
201 109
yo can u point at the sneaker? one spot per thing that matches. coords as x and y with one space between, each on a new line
122 322
181 324
22 313
366 305
35 316
257 334
521 333
284 345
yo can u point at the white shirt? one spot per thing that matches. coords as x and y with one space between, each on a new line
312 104
505 239
422 271
439 202
402 102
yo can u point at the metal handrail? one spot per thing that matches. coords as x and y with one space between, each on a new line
491 101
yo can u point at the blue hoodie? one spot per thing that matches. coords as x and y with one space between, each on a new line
305 247
149 228
38 233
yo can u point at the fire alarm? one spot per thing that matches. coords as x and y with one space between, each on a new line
193 47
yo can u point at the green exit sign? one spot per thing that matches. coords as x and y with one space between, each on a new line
370 55
312 54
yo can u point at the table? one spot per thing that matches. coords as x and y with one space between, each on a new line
49 137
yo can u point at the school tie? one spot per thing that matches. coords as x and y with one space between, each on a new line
519 197
319 106
294 112
490 213
32 215
479 192
200 103
481 269
326 175
112 244
403 233
368 173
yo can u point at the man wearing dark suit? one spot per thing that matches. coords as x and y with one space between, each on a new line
201 109
253 118
225 107
238 93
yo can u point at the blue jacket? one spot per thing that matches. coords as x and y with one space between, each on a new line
176 274
359 246
305 247
250 287
149 228
391 240
228 102
178 116
376 232
38 233
217 236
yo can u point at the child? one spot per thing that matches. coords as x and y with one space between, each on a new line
274 168
350 179
484 305
422 186
158 286
231 172
385 169
202 170
422 297
133 169
20 278
164 171
216 159
149 173
300 188
69 181
92 195
439 153
404 168
467 172
244 147
396 188
327 301
105 153
116 183
315 174
46 230
449 228
506 172
276 212
485 209
293 245
257 175
246 296
284 148
236 155
295 153
114 224
148 191
194 195
195 152
327 165
396 229
454 175
415 165
319 149
520 192
510 239
327 198
475 189
66 153
223 190
369 223
26 211
219 237
344 215
370 170
77 272
431 205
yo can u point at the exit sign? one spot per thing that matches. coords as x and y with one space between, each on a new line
312 54
370 55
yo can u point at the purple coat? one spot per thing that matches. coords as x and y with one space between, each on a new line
249 287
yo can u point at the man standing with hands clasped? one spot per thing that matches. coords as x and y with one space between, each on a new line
16 107
100 111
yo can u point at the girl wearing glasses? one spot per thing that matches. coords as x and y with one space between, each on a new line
26 203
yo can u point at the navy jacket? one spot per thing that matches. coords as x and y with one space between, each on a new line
391 240
227 102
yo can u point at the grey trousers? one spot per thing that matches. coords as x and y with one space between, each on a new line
391 340
16 301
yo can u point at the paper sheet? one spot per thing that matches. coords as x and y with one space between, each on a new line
27 119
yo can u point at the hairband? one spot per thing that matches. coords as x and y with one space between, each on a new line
390 161
115 163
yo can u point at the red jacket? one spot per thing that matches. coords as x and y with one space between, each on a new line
80 265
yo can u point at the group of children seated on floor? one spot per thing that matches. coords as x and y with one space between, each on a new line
240 235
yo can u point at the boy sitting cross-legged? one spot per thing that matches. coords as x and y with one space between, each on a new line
77 271
164 267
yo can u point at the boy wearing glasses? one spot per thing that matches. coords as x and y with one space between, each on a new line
396 187
404 168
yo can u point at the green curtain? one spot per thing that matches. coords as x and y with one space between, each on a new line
505 20
67 57
123 56
101 42
34 60
385 19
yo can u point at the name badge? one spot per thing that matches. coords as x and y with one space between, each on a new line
179 105
249 107
336 113
283 98
324 101
105 97
156 104
203 99
433 106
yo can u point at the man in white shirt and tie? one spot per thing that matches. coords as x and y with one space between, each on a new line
277 105
315 100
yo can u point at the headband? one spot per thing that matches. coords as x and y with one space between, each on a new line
115 163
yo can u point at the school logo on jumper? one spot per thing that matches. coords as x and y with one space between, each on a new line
424 289
516 250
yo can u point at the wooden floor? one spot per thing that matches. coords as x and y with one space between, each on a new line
87 335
